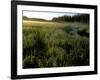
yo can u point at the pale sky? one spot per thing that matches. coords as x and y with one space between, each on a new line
45 15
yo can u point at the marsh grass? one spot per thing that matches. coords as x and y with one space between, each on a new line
52 44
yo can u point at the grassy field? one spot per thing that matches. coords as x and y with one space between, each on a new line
55 44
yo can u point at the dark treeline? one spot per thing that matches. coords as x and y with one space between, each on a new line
76 18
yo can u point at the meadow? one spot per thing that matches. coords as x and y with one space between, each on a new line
55 44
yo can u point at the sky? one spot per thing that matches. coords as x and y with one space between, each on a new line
45 15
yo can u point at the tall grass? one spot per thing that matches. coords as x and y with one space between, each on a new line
54 47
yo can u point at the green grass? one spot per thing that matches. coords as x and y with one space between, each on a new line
53 44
